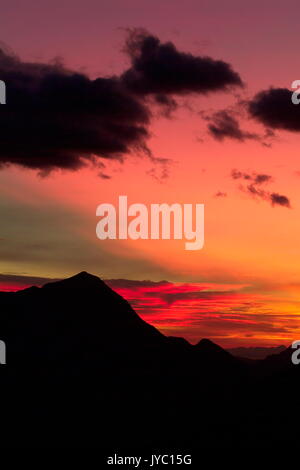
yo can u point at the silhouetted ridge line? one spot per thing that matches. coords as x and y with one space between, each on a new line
82 280
83 369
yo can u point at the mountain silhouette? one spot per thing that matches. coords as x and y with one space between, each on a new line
77 317
209 347
255 352
84 370
212 353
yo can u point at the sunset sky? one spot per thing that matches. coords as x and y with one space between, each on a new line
211 140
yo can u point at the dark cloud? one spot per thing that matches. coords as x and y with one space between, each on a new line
134 284
172 297
224 326
104 176
220 194
278 199
160 69
274 108
159 175
255 178
253 186
262 178
161 169
236 174
22 281
56 118
102 173
19 281
167 104
224 125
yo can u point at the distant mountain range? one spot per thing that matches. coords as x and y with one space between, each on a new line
84 370
255 352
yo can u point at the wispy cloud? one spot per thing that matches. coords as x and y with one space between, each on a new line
253 184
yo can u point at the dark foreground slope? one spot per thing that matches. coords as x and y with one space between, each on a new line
84 370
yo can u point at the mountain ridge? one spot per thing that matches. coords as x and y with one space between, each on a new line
84 370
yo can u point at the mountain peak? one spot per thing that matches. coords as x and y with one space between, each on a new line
84 276
82 280
209 346
204 342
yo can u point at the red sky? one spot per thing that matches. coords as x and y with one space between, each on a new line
243 287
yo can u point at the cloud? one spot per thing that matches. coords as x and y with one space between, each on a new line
14 282
57 118
161 169
134 284
218 311
254 181
262 178
192 297
274 108
162 293
220 194
256 178
167 104
280 200
225 125
104 176
160 175
160 69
